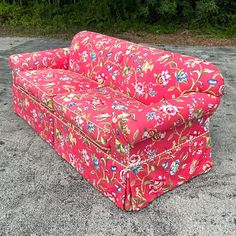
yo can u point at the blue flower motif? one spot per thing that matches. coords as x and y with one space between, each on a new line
174 167
60 107
113 169
119 189
72 104
206 125
212 82
36 63
165 165
40 118
109 68
152 93
151 154
96 163
109 54
90 127
139 68
151 115
117 132
81 170
181 77
136 169
93 56
117 106
132 55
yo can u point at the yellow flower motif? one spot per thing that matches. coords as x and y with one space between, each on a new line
49 103
72 139
26 102
193 167
76 47
148 65
126 71
58 134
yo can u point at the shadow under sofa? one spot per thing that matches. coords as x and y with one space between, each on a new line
132 120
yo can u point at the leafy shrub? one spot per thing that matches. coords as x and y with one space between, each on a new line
52 16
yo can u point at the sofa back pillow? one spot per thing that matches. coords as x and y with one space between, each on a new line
148 74
96 56
151 75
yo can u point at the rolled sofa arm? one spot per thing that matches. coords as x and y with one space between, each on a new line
53 58
135 127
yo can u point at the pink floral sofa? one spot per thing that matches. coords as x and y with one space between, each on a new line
132 120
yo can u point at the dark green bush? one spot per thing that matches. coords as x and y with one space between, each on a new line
52 16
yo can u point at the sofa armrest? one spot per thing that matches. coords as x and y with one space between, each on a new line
53 58
167 114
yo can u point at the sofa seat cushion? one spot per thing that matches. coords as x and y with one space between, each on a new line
92 111
45 84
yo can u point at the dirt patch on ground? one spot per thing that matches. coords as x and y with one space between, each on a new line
179 38
182 37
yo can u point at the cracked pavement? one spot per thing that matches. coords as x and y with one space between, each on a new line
41 194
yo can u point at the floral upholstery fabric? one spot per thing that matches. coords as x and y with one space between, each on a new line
94 110
144 123
132 120
156 176
54 59
47 83
132 187
157 142
37 116
147 74
99 168
163 142
97 57
151 75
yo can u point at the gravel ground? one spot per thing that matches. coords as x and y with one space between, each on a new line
40 194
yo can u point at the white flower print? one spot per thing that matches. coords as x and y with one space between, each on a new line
169 109
139 88
164 78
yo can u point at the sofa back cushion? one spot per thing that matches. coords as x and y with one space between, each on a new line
96 56
151 75
148 74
